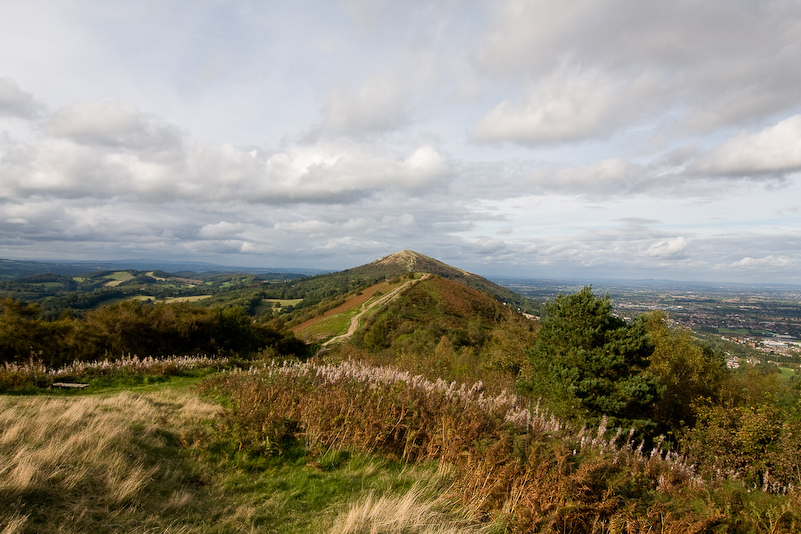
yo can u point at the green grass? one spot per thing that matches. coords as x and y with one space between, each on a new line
149 460
120 276
168 300
736 331
332 326
787 373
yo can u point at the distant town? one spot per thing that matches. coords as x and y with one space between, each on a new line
762 319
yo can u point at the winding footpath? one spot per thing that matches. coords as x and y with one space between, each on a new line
367 306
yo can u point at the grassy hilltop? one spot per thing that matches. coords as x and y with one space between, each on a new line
401 396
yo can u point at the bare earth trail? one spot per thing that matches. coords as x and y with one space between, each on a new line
385 299
366 295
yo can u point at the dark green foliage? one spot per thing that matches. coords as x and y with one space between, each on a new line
587 363
134 327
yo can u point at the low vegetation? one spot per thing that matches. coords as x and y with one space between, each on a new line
134 327
446 411
527 470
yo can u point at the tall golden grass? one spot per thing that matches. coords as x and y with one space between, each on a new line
415 512
89 462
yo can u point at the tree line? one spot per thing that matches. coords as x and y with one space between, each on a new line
135 327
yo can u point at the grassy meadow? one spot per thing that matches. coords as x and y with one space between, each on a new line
152 460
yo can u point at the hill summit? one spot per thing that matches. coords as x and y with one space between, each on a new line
409 261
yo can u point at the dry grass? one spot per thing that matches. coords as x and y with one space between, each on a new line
85 460
416 512
520 466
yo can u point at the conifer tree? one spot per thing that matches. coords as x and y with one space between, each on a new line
587 362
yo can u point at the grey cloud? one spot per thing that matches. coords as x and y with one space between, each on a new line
638 221
16 103
705 65
379 105
113 124
489 246
566 107
611 177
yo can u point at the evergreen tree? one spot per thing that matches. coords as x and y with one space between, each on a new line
587 362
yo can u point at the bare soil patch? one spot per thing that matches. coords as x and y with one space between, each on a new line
354 301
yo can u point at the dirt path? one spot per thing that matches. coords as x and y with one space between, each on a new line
366 295
385 299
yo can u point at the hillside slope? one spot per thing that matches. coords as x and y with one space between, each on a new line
443 329
408 261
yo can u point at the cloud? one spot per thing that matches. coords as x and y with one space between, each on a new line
16 103
775 150
220 230
767 261
113 124
379 105
565 107
691 69
611 176
108 149
489 246
671 248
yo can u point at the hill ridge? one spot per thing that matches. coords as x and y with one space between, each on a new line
408 261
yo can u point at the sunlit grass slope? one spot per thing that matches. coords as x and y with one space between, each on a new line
153 462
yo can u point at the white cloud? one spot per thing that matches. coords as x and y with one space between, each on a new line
671 248
775 150
767 261
565 107
532 134
222 229
106 150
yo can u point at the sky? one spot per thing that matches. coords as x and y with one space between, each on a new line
588 139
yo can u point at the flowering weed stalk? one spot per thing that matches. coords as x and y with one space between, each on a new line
510 461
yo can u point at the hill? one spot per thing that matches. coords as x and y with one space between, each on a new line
408 261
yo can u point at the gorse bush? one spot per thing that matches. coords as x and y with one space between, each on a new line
524 466
757 444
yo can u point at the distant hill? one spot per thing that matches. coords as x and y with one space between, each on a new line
15 269
418 314
408 261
